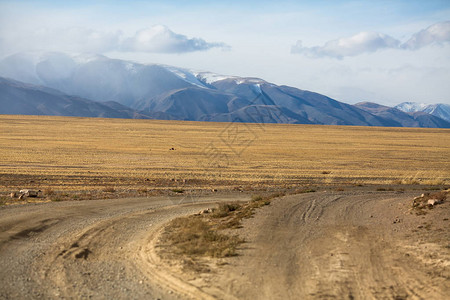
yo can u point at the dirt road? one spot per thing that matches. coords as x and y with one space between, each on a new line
89 249
354 244
342 245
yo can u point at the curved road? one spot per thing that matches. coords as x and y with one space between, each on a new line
354 244
90 249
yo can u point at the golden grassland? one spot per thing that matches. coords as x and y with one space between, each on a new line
66 153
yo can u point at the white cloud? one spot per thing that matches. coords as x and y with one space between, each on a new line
438 33
156 39
363 42
160 39
367 42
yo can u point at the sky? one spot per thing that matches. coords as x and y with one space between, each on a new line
380 51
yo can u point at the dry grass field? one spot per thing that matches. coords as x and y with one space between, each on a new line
80 154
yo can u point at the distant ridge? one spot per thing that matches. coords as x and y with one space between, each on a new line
404 119
439 110
94 85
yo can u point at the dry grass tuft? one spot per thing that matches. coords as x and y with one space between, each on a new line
142 190
109 190
48 192
257 197
225 209
195 236
201 235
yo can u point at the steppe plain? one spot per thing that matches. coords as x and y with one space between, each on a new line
86 154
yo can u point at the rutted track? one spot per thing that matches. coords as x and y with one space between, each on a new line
324 245
91 249
342 245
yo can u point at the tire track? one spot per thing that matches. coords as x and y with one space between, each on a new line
331 246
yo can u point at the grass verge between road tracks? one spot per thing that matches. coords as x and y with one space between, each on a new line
208 233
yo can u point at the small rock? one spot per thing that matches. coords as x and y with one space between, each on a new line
29 193
433 202
141 282
205 211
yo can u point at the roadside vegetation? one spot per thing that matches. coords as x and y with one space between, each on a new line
203 234
209 232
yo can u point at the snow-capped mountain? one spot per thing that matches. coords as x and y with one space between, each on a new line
411 106
401 118
167 92
439 110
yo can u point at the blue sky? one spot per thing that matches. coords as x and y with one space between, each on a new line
381 51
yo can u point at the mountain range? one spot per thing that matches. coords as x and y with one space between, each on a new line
97 86
439 110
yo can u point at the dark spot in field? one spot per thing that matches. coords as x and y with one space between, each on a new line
83 253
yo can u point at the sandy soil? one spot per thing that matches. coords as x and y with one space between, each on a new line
352 244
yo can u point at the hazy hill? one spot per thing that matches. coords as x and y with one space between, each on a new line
26 99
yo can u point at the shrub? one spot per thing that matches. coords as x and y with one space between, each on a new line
257 197
48 192
225 209
195 237
109 190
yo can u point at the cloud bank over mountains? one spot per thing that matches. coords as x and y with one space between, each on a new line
435 34
160 39
367 42
155 39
